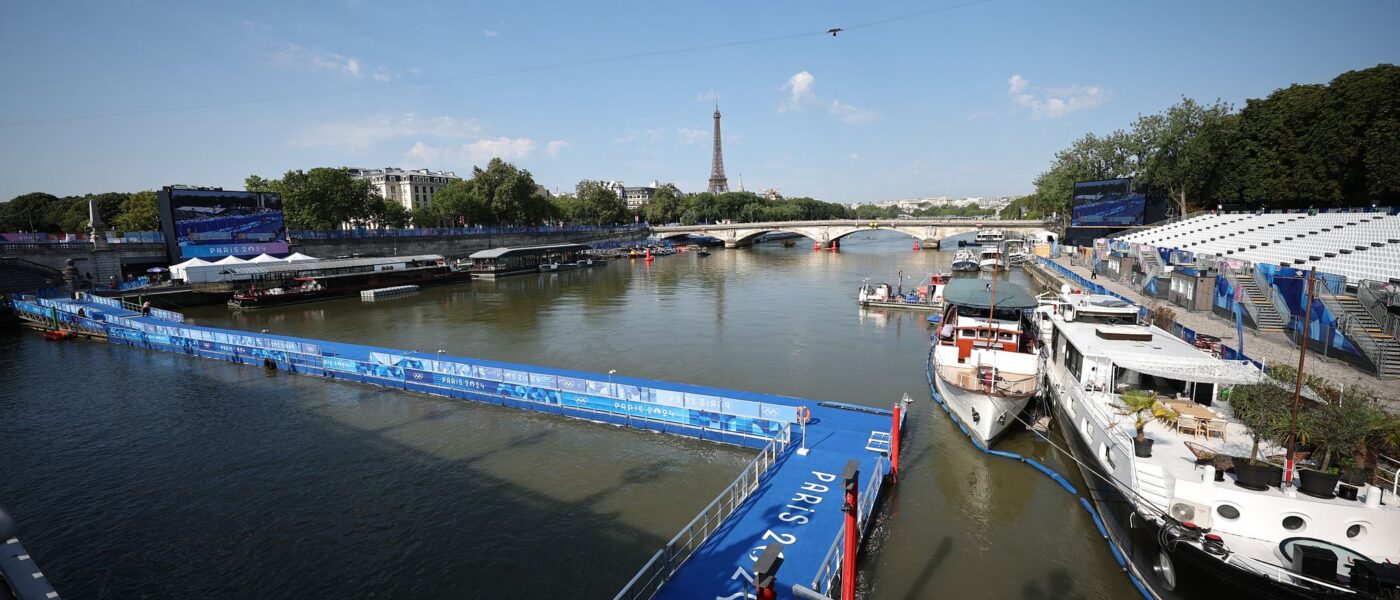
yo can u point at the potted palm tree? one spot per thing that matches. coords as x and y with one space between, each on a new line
1144 408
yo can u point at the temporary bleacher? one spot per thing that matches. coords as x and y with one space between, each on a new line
1359 246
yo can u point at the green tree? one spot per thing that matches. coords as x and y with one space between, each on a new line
31 212
1180 148
459 204
596 205
665 207
322 198
139 212
387 213
1265 410
254 183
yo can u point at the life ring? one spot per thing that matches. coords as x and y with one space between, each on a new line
804 415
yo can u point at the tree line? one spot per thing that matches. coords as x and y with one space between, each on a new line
501 194
38 212
1315 145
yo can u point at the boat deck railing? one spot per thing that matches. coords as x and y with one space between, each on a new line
1388 474
1007 384
664 563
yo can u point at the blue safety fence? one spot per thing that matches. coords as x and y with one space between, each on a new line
730 416
134 284
1038 466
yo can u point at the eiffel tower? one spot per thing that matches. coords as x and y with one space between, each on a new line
719 184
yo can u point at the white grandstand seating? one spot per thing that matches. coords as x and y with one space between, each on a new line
1355 245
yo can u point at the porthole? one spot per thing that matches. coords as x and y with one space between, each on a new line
1356 531
1165 571
1294 523
1227 512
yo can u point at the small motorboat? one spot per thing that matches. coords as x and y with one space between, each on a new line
702 252
789 244
557 266
58 334
965 261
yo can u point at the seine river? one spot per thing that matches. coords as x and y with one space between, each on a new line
144 474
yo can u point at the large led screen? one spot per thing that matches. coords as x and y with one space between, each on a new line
215 223
1106 203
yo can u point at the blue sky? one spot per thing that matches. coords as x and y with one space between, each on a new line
969 101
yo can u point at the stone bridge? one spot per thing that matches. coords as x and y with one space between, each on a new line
827 234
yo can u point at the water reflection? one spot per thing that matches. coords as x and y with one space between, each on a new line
393 492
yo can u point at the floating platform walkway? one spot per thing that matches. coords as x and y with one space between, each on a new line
791 494
388 292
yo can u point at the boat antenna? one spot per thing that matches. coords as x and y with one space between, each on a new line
1298 384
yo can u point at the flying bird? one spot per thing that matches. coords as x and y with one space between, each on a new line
834 30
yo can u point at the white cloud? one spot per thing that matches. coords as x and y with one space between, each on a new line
365 132
489 32
707 96
850 114
1053 103
1018 84
690 135
801 97
555 146
480 151
303 58
853 156
800 87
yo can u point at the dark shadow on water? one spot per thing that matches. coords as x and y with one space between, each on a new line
1059 585
917 589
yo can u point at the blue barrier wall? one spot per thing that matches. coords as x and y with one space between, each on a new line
731 416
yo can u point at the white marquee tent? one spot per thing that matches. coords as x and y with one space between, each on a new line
178 271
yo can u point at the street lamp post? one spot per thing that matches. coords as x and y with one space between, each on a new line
612 389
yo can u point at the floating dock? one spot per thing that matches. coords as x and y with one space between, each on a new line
388 292
785 495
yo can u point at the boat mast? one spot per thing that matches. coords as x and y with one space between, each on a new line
1298 384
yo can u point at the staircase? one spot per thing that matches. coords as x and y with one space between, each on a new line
1358 325
1266 319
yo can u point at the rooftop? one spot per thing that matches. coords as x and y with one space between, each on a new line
503 252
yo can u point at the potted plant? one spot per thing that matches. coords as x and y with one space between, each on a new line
1264 410
1144 408
1337 428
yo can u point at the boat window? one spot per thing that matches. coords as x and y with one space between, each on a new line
1074 361
1006 337
967 333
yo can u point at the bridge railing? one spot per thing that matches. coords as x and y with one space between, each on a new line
358 234
961 221
664 563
